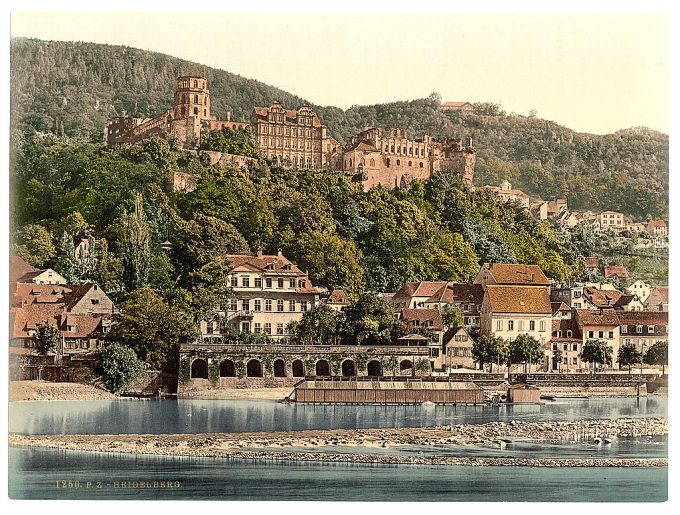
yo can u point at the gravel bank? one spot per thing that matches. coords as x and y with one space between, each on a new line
48 391
276 394
500 434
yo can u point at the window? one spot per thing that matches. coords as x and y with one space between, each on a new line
258 305
195 110
258 282
245 305
209 327
569 333
542 326
565 347
574 361
303 306
650 329
245 282
233 305
574 346
398 162
267 328
511 325
303 284
532 325
269 282
291 283
600 334
280 282
268 305
590 334
96 301
520 326
558 334
279 305
234 281
291 305
258 327
638 329
499 325
279 329
610 335
626 341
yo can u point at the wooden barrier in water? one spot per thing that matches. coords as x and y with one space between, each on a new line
387 391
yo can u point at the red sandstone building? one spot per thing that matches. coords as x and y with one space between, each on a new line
297 138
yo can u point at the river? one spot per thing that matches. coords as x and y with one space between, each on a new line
39 473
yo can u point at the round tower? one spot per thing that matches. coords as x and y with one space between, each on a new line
192 97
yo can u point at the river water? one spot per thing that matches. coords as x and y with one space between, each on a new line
42 473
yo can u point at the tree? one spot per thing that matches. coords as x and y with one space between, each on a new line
629 356
153 327
489 349
119 366
35 245
452 317
525 349
657 355
331 261
46 338
135 246
557 358
596 352
369 318
317 326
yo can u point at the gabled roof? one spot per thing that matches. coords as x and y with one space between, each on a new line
518 299
605 298
517 274
661 291
19 268
453 331
337 297
559 306
458 292
606 317
85 325
656 223
456 104
430 318
615 271
419 289
291 115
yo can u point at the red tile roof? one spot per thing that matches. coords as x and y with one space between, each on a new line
455 104
643 317
518 274
518 299
337 297
420 289
430 318
458 292
18 268
615 271
606 317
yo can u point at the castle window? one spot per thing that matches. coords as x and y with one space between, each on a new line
421 164
195 83
372 162
195 99
393 149
403 150
388 162
410 164
205 111
195 110
398 162
184 99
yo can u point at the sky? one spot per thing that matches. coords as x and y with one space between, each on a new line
591 72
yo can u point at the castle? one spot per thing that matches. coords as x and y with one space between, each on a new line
297 138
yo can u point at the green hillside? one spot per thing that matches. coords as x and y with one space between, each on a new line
72 88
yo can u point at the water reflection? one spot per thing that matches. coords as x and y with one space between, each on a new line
196 416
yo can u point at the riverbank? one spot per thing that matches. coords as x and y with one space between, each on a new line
49 391
307 444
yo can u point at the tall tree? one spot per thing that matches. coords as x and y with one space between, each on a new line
629 355
657 355
153 327
596 352
35 245
525 349
135 246
46 339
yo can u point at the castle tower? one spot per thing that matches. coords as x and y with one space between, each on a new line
192 98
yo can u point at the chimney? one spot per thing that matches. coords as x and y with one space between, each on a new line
279 253
259 253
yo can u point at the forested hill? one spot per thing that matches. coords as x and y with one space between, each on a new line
72 88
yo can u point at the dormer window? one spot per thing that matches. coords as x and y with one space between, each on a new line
71 328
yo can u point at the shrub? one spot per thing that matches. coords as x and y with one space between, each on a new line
119 366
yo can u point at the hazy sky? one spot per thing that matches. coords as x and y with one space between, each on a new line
592 73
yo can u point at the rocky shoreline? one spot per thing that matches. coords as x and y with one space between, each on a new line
263 446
